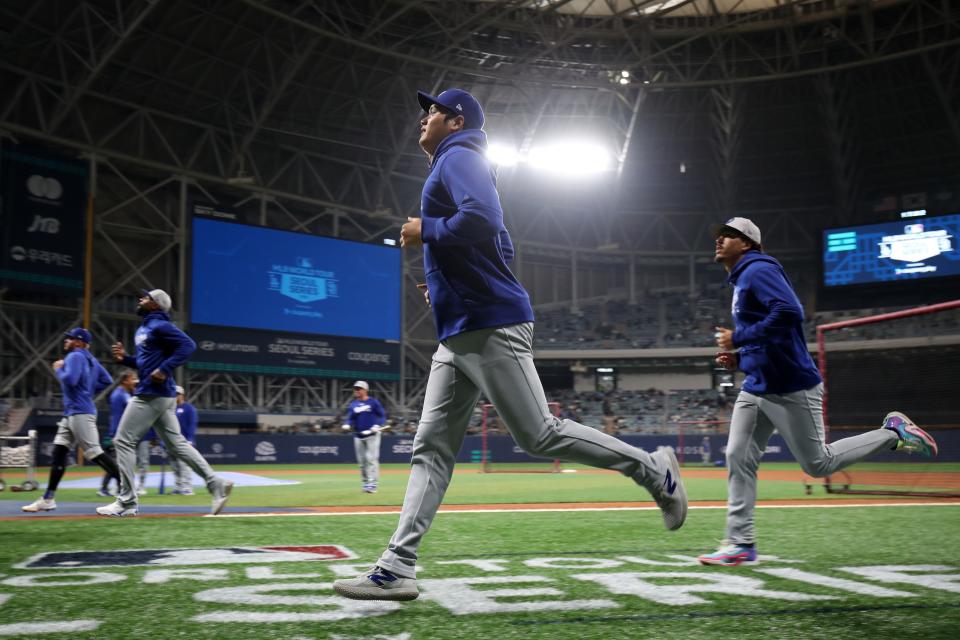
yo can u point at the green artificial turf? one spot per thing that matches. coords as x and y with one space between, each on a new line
545 551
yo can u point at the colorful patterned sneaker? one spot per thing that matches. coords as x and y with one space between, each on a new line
117 510
913 439
730 555
671 496
40 504
377 584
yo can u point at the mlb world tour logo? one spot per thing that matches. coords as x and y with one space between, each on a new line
302 282
485 586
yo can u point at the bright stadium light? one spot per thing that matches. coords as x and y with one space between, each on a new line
503 155
572 158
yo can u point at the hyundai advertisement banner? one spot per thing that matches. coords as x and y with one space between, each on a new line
294 354
43 203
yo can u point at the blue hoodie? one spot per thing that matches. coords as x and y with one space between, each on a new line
187 416
466 247
81 377
160 345
769 328
363 414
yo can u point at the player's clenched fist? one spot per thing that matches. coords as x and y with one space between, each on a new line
426 292
727 360
118 352
410 233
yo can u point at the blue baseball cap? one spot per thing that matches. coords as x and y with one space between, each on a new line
79 334
459 102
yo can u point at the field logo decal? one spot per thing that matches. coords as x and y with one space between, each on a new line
187 557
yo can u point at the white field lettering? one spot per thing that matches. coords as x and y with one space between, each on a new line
304 593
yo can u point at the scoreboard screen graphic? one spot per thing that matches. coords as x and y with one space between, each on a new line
258 278
904 250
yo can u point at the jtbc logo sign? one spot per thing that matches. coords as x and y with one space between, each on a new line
44 225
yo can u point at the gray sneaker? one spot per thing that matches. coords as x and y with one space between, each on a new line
671 496
220 496
377 584
117 510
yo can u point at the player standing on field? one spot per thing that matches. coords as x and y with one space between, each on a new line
782 389
81 377
119 398
484 322
187 417
366 417
161 348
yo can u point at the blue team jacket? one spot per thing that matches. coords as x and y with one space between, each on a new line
466 247
363 414
160 345
769 328
81 377
187 417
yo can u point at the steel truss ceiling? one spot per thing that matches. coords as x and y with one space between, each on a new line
796 112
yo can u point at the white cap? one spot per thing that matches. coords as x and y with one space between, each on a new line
161 297
740 225
180 391
361 384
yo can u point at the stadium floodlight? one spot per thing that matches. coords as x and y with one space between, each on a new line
503 155
571 158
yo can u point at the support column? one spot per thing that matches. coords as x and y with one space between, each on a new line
574 305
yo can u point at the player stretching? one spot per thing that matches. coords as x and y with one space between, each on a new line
81 377
484 322
161 348
782 389
366 418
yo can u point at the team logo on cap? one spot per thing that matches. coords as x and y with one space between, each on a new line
459 107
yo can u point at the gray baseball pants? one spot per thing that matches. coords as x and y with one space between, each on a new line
79 429
498 363
798 418
182 478
368 457
143 412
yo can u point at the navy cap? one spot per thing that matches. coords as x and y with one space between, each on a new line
459 102
79 334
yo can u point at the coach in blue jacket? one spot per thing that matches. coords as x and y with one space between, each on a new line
484 322
161 348
782 388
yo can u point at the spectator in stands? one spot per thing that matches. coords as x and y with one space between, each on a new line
782 388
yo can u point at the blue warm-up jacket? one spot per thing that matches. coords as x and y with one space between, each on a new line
768 321
363 414
160 345
466 248
187 416
81 377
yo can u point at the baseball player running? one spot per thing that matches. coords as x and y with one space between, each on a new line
366 418
782 389
484 322
81 377
161 348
